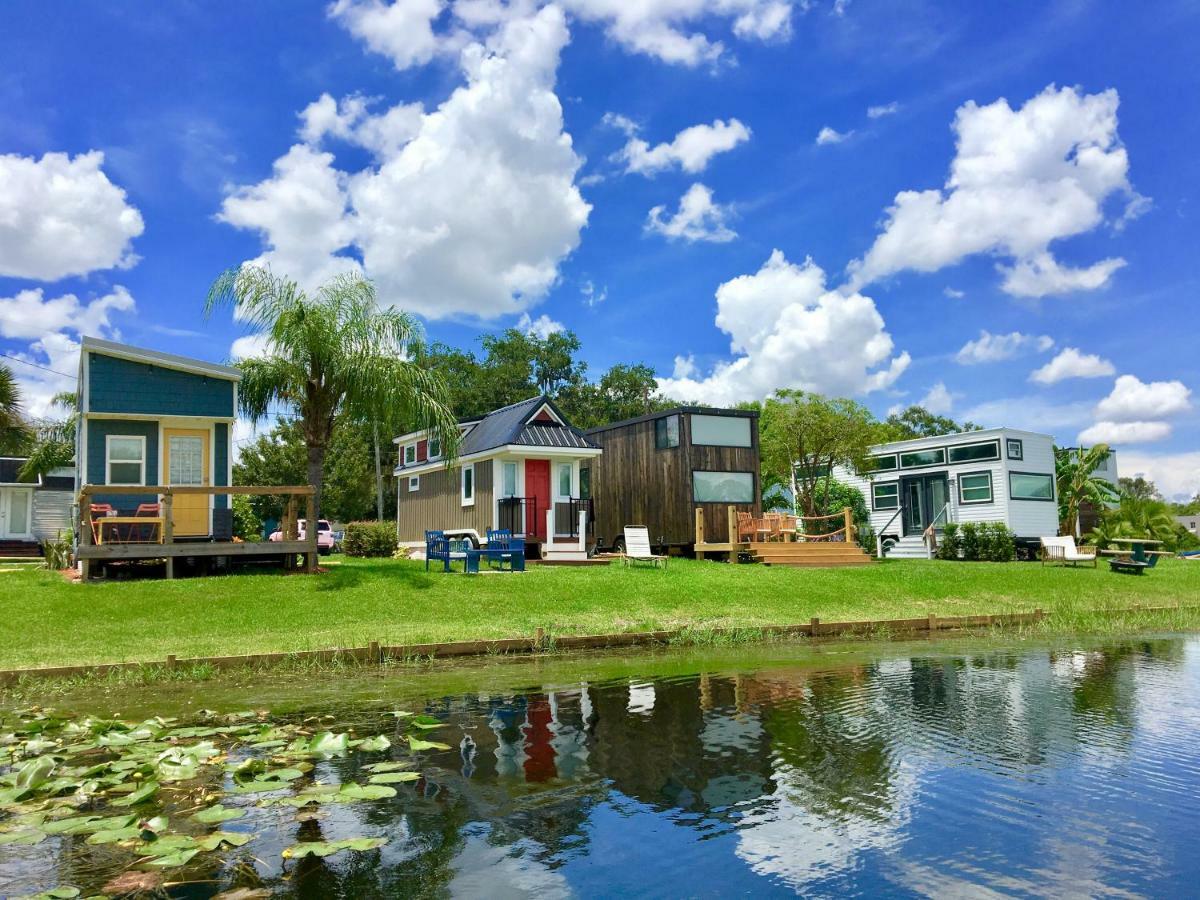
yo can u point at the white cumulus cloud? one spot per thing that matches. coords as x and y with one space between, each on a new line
690 150
938 400
1177 475
1124 433
351 120
990 347
884 109
472 215
1021 179
1070 363
402 31
829 135
698 218
1133 400
61 216
787 329
543 326
29 315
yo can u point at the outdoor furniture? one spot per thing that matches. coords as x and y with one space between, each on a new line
514 556
746 527
637 547
1134 559
437 547
97 513
1063 550
152 530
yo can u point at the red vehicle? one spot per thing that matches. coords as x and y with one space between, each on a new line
325 541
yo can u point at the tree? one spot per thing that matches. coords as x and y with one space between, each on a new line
807 434
54 443
623 392
14 433
332 357
1075 474
918 422
1139 488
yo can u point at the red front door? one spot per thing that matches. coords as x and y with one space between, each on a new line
537 487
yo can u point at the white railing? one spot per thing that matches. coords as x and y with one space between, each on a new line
929 537
879 534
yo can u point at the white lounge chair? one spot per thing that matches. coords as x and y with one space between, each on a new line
1063 550
637 547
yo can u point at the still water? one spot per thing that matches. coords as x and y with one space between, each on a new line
902 770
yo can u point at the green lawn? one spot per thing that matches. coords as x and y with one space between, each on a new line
47 621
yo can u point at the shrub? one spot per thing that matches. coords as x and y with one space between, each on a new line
969 540
369 539
57 553
867 539
246 523
1002 545
950 543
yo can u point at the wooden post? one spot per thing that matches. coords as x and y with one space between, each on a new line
813 625
376 656
733 534
310 537
85 532
933 622
849 517
699 532
168 530
539 639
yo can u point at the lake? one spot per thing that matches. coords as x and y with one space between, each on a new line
965 766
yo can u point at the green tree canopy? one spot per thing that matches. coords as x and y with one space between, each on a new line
14 432
810 434
918 422
1077 482
333 357
1139 488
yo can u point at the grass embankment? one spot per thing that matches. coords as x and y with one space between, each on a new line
46 621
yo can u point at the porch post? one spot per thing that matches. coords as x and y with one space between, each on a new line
168 529
699 532
733 534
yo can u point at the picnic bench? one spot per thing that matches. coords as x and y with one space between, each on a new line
1136 558
501 547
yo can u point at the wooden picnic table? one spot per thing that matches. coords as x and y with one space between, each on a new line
1134 558
157 522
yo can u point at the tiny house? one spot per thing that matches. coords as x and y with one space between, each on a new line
658 469
514 466
32 512
151 418
994 475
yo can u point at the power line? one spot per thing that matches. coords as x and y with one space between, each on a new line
36 365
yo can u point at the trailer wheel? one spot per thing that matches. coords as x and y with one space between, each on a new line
619 545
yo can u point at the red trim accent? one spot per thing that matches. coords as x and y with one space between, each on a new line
422 451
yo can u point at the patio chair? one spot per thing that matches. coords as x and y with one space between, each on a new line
96 514
147 533
747 527
637 547
1063 550
437 546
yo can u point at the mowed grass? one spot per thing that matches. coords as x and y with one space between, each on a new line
45 620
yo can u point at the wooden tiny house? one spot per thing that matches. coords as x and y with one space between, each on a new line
658 469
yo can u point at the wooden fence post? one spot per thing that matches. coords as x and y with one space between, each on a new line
731 514
813 625
168 528
848 514
699 532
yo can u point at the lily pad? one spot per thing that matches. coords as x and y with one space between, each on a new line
28 837
177 858
366 791
394 777
416 745
217 839
376 744
388 766
218 813
425 722
328 848
145 792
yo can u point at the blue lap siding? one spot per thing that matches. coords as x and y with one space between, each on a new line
97 431
123 386
221 463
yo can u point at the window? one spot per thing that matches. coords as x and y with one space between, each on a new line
508 479
666 432
435 448
414 482
1027 486
468 485
125 460
974 452
410 454
886 495
1016 450
721 431
975 487
585 483
884 463
916 458
723 487
564 479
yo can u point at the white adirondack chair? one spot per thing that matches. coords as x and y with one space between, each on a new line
637 547
1063 550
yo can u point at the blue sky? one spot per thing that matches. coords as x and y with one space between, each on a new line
1027 171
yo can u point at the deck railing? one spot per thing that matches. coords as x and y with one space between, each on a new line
95 544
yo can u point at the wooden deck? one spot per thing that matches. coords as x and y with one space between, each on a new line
168 549
809 554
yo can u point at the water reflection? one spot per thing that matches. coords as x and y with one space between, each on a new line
1035 772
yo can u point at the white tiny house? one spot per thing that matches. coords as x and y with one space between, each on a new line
995 475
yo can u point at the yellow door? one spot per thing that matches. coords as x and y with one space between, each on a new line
186 462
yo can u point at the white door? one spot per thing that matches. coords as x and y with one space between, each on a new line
16 505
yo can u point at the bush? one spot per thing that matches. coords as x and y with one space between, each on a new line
57 554
990 541
369 539
246 523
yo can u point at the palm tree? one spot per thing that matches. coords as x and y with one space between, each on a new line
14 433
332 356
54 447
1075 472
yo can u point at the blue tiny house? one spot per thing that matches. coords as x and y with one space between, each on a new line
151 418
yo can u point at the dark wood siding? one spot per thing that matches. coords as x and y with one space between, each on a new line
437 505
635 484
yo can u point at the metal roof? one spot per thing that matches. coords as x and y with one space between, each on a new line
511 425
676 410
158 358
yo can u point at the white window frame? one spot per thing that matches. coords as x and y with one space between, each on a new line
108 460
1010 444
875 486
558 467
462 484
413 448
414 483
516 481
721 443
991 497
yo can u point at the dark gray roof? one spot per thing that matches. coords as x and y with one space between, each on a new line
58 483
9 469
510 425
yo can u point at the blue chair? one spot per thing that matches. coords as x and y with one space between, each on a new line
437 547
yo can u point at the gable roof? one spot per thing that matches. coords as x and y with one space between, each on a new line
513 425
158 358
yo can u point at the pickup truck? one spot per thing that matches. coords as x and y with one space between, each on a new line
325 541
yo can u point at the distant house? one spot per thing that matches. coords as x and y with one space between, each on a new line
32 512
994 475
1106 470
658 469
151 418
1191 523
513 465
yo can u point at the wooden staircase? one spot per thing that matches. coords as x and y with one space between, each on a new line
20 549
809 554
